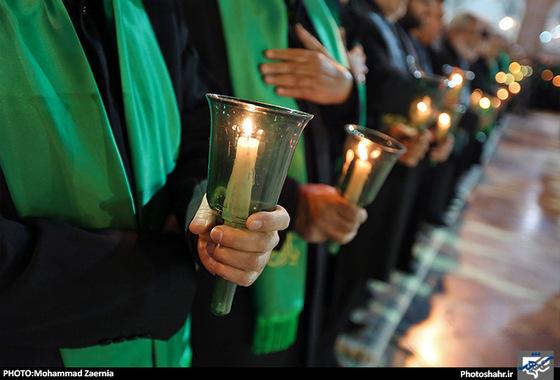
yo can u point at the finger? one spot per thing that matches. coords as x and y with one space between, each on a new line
289 67
241 260
309 41
290 54
303 93
276 220
203 220
244 240
289 80
204 250
333 224
351 212
235 275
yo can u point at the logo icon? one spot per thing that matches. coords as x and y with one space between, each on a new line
533 365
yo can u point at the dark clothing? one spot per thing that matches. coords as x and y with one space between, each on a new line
227 342
61 286
390 84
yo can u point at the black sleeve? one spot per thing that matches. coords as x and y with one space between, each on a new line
61 286
389 90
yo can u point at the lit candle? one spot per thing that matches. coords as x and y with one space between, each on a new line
359 175
443 124
240 185
456 80
421 112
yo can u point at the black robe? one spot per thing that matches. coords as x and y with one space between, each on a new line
390 88
133 283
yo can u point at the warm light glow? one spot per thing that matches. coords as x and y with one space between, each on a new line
556 81
456 79
362 150
547 75
506 23
476 95
247 128
514 88
496 103
349 155
444 119
376 153
501 77
422 107
509 78
484 103
514 67
502 93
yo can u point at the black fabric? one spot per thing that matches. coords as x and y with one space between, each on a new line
372 254
389 86
226 341
61 286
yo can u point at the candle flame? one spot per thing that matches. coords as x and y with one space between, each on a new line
457 79
422 107
362 150
484 103
444 119
247 128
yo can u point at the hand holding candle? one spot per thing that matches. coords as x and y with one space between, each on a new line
237 254
251 148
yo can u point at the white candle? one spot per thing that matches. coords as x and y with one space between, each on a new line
444 121
240 185
359 175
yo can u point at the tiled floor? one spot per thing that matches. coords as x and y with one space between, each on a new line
489 286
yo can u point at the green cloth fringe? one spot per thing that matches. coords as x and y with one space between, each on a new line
275 333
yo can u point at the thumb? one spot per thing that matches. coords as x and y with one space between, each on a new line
203 219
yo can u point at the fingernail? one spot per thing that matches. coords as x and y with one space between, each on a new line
216 235
255 225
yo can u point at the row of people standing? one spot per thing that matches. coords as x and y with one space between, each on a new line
383 56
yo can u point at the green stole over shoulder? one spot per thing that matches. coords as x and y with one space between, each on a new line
57 149
250 28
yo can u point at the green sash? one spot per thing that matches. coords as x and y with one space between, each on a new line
250 28
57 150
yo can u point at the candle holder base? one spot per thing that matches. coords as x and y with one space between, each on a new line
222 296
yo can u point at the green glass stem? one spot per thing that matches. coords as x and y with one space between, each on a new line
332 247
224 290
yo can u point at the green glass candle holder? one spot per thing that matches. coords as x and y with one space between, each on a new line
428 100
369 156
429 97
456 101
251 148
